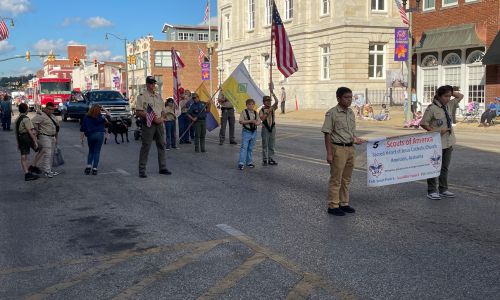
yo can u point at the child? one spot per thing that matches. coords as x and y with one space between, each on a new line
266 115
384 114
415 123
198 114
170 123
26 139
250 121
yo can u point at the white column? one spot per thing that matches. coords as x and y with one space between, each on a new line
463 79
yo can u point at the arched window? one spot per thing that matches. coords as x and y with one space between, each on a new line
475 76
429 61
475 57
452 70
452 59
430 77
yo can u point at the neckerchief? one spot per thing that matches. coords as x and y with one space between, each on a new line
448 118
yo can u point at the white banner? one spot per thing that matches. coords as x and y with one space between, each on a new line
405 158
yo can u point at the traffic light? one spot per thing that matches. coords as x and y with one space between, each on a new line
95 62
28 56
76 62
131 60
51 56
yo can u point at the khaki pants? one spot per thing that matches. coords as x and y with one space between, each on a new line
157 133
46 144
200 130
340 176
268 141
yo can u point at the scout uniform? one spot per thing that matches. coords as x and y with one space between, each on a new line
198 110
23 127
340 124
268 134
438 117
47 129
184 121
170 126
248 138
227 109
155 132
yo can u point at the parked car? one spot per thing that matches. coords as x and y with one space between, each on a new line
79 104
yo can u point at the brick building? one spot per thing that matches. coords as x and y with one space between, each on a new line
63 67
451 38
153 57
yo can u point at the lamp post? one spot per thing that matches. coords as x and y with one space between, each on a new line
410 11
125 48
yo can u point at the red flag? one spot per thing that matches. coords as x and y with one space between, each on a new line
207 9
177 64
285 60
150 115
402 13
4 31
201 56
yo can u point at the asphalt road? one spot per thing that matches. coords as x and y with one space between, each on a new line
210 231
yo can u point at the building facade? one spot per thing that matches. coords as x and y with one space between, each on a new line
153 58
336 43
451 39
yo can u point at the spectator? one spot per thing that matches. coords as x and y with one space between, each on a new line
415 123
26 139
384 114
488 116
93 128
7 113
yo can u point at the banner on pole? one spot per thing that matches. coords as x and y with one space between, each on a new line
401 40
404 158
205 71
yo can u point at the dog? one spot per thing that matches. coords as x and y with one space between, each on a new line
118 127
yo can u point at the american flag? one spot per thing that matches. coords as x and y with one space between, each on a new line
285 60
207 9
177 64
4 31
201 56
402 13
150 115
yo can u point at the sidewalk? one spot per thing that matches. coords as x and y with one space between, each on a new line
397 119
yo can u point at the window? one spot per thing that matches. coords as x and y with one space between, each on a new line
228 27
246 62
202 36
376 61
430 75
216 37
145 57
475 76
163 58
429 4
185 36
378 5
325 7
451 66
251 14
449 2
288 9
269 12
325 62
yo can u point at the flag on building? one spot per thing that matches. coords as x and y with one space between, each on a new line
4 31
201 56
213 117
177 64
402 13
285 60
239 87
207 12
150 115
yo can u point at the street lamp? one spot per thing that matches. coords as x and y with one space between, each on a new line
125 48
410 11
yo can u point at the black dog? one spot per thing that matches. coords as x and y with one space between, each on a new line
118 127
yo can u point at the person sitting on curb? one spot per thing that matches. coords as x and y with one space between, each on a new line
384 114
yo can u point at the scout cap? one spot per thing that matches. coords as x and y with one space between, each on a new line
150 79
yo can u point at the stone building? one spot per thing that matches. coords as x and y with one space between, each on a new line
336 43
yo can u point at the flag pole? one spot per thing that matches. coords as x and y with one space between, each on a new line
271 56
210 46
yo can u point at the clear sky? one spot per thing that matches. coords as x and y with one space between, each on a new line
42 25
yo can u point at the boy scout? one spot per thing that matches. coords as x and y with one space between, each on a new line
437 117
198 115
268 132
47 129
339 127
249 121
156 132
227 109
26 139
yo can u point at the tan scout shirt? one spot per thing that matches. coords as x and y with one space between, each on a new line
251 113
224 102
182 104
170 113
435 117
270 117
340 124
25 126
44 125
152 99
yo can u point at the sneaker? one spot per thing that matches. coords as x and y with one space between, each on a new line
240 167
165 172
94 171
264 163
434 196
204 151
48 174
30 176
251 165
168 149
233 143
54 173
336 211
87 171
272 162
348 209
221 143
35 170
447 194
143 175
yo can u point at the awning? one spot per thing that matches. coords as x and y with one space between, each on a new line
453 37
492 56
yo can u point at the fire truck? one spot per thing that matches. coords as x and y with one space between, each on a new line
48 89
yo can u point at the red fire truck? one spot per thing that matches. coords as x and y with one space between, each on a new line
48 89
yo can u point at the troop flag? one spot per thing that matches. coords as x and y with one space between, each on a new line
177 64
402 12
150 115
4 31
213 117
285 59
239 87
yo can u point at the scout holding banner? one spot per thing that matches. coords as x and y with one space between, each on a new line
404 158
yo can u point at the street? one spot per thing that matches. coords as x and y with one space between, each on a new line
210 231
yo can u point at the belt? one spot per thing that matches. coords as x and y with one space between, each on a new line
48 135
343 144
227 108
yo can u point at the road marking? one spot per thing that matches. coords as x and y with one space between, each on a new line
233 277
312 279
230 230
123 172
303 288
132 291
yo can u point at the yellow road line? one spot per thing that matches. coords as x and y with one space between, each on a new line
232 278
303 288
132 291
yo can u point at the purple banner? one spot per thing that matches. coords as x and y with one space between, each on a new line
400 44
205 71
